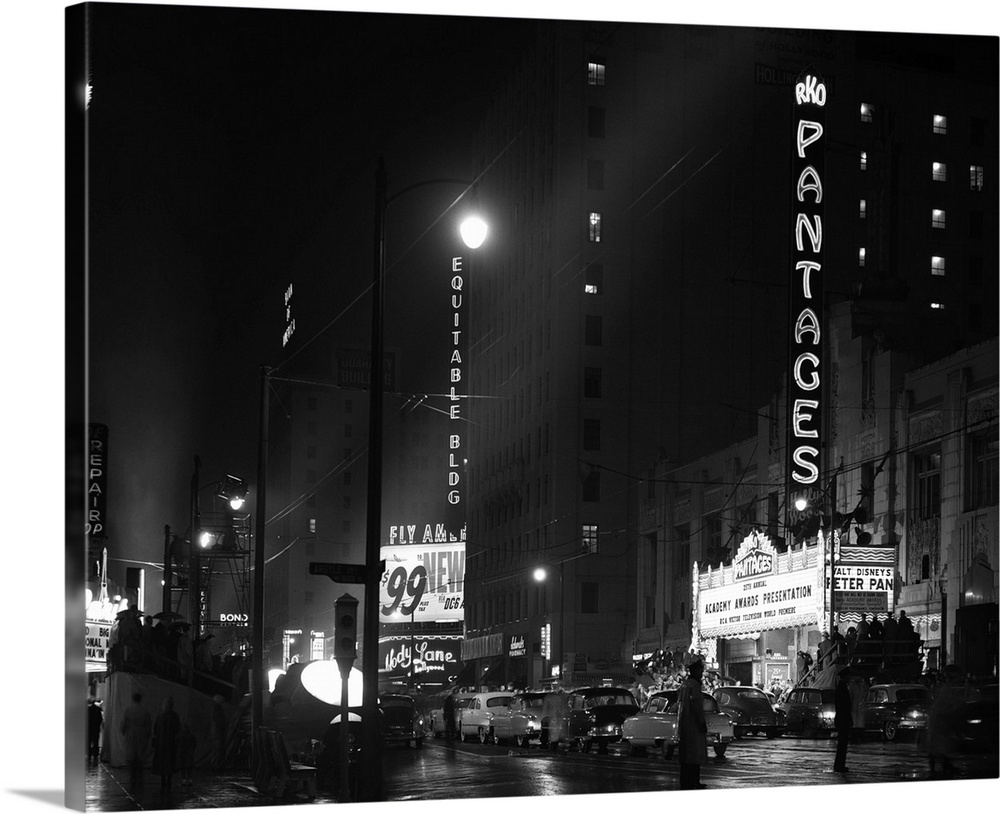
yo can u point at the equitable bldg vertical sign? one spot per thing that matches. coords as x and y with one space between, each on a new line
806 288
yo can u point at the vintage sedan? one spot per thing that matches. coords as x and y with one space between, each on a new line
401 721
749 710
656 726
809 711
476 720
894 708
438 727
587 717
521 720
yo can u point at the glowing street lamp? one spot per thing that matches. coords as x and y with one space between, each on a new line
541 574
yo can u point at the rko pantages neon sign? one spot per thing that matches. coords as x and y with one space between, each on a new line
806 288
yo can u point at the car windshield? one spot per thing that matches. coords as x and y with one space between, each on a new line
396 702
753 699
913 694
610 699
501 701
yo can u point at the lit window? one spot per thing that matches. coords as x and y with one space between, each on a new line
937 306
312 525
861 257
864 160
863 210
590 538
937 266
594 227
595 73
940 124
939 172
593 278
976 178
937 218
866 112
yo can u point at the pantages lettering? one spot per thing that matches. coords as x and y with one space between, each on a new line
806 289
455 374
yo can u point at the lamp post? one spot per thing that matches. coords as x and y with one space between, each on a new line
541 574
371 769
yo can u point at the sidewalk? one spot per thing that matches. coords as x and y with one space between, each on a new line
107 790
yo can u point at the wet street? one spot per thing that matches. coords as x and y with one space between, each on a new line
442 770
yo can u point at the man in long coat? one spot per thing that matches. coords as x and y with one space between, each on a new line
691 728
137 728
842 721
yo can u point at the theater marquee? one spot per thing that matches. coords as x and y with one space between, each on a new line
760 590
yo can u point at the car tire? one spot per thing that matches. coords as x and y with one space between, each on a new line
720 749
521 740
494 737
484 734
890 730
461 734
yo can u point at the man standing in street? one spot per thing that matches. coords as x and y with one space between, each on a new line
449 715
842 720
691 728
137 728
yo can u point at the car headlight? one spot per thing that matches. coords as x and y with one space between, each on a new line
827 714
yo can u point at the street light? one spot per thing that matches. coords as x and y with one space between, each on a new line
473 235
541 574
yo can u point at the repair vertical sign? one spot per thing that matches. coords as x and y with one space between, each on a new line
97 482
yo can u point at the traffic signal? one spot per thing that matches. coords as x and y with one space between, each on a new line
345 632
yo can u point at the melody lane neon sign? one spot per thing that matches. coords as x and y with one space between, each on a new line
806 290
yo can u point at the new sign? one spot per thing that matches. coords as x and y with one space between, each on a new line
423 583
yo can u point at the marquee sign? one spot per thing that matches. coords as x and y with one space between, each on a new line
806 304
754 594
865 579
422 583
427 658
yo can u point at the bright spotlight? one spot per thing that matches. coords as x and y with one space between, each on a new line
473 230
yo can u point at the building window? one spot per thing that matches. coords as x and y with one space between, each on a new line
976 224
310 452
312 525
310 428
864 160
939 171
976 178
927 483
937 218
348 406
861 256
593 330
593 278
595 73
925 567
592 486
717 551
863 209
348 430
981 469
594 227
866 112
977 132
937 266
682 551
590 538
975 270
588 597
592 382
940 124
591 433
347 479
595 122
595 173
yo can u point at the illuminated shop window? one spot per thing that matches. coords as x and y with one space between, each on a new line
937 218
939 171
861 256
589 536
594 227
863 209
976 178
595 73
864 160
866 112
937 266
940 124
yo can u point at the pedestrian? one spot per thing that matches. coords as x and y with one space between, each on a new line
137 728
449 715
842 720
187 742
875 628
692 728
890 635
863 627
165 731
95 720
219 732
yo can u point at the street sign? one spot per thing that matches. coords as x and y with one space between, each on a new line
339 572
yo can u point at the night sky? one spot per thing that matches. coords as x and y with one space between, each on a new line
232 158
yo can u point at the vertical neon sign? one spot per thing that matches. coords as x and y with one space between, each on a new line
806 286
456 370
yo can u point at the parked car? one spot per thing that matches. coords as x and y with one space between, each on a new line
587 717
476 719
521 720
894 708
808 711
749 710
656 726
401 721
437 726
